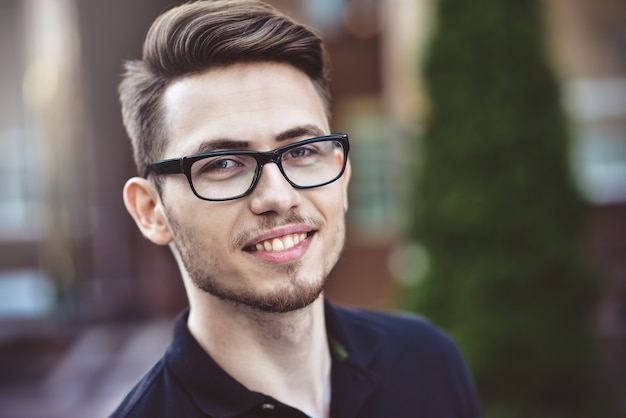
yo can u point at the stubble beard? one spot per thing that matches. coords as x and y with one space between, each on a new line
296 293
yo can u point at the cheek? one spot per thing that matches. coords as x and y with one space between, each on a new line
212 228
334 205
207 224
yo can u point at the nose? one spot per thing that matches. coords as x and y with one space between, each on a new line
273 193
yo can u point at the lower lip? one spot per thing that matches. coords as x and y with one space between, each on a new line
291 255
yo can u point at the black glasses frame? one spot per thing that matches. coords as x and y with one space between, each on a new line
183 165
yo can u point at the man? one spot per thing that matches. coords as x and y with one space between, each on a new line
228 113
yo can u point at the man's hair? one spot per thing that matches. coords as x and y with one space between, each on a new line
195 37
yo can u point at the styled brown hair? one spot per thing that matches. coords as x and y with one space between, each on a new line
198 36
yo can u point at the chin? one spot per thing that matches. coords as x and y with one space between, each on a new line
297 294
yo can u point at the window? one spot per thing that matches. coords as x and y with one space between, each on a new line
39 131
597 106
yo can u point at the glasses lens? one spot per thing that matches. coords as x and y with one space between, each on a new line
224 176
314 164
230 176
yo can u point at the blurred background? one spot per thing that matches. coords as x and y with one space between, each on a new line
86 304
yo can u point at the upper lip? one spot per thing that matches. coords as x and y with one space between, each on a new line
279 232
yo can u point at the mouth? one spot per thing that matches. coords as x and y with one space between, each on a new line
281 243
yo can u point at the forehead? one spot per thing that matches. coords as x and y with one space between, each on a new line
252 102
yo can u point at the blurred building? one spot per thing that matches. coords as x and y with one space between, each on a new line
589 48
77 280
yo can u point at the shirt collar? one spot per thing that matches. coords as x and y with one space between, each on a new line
213 390
352 337
354 344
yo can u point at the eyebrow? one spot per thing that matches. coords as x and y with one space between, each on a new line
223 144
220 145
305 130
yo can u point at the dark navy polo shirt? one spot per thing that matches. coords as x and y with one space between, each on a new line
383 366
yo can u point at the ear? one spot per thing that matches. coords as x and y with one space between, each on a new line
345 178
144 204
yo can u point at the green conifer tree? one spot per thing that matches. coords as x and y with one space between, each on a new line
499 217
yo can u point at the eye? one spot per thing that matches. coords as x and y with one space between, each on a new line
298 152
224 166
221 164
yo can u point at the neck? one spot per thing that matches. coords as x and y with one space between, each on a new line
283 355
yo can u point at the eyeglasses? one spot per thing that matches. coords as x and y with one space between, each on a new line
229 175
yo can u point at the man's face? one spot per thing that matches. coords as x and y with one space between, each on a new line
273 249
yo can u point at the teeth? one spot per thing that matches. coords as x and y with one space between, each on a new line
277 245
282 243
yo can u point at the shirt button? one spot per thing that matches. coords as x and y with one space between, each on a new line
268 407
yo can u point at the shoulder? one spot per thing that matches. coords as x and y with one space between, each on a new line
396 325
413 359
397 339
157 394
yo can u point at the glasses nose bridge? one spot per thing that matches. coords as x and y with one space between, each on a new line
263 158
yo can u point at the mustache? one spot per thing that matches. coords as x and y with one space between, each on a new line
274 221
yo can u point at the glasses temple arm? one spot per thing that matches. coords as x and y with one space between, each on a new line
174 166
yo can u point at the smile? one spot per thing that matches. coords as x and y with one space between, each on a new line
283 243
